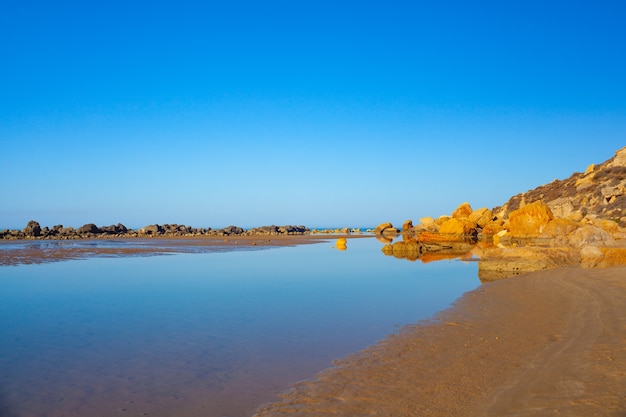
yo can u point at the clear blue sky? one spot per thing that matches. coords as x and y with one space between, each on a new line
323 113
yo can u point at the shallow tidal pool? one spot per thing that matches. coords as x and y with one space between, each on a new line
202 334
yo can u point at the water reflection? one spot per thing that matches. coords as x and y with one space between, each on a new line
410 249
200 334
341 243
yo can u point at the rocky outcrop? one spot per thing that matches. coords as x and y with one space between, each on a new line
600 191
32 229
91 231
580 220
530 220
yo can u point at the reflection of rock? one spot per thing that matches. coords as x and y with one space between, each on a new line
341 243
383 239
498 263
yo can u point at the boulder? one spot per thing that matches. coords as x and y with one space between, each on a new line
459 227
428 222
481 216
559 228
341 243
381 227
589 235
493 227
32 229
235 230
152 229
88 228
463 211
530 220
407 226
561 207
609 226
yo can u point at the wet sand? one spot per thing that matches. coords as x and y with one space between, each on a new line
16 252
546 343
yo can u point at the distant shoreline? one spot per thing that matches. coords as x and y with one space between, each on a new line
29 251
34 231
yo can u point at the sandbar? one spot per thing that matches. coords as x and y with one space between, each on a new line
545 343
17 252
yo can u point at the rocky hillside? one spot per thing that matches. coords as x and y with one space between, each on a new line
598 192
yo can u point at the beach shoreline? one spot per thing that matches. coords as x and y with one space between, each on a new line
17 252
543 343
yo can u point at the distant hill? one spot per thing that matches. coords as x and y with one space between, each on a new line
600 191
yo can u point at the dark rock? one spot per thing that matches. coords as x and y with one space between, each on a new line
32 229
88 228
153 229
66 231
232 230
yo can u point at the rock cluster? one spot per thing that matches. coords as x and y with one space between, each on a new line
33 230
580 220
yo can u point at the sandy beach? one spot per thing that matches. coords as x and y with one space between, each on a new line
545 343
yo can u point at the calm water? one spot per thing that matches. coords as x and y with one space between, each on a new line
210 334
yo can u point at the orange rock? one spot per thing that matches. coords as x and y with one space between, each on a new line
341 244
608 226
493 227
438 256
441 220
481 216
530 220
558 228
458 227
463 211
613 257
379 229
407 225
430 237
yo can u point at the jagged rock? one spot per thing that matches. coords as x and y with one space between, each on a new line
558 227
460 227
407 226
601 191
88 228
381 227
530 220
608 226
233 230
493 227
32 229
462 211
561 207
428 222
152 229
114 229
589 235
481 216
441 220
